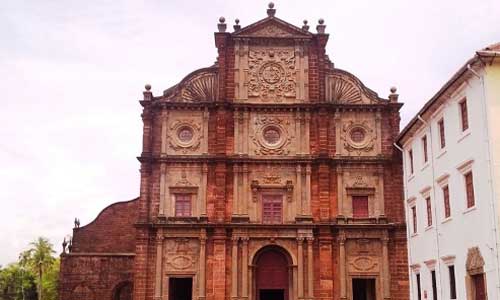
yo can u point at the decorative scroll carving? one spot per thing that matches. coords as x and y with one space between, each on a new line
199 86
271 136
475 261
344 88
256 188
271 31
184 135
184 181
364 264
181 254
271 73
358 137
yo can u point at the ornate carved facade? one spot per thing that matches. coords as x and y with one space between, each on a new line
272 161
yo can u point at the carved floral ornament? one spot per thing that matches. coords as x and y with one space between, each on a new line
271 136
271 74
184 135
364 264
358 137
181 255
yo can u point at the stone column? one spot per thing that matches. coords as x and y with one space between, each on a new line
300 267
203 190
342 262
310 269
298 131
234 270
206 116
237 126
236 190
298 191
386 276
202 277
307 133
161 209
159 265
244 268
246 120
164 133
308 191
245 191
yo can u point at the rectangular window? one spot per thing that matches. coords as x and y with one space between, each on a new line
272 207
182 205
360 206
419 288
410 158
424 148
446 200
442 140
414 218
453 288
434 285
464 117
469 188
429 211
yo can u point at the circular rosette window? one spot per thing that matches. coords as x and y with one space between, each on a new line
273 136
184 136
358 137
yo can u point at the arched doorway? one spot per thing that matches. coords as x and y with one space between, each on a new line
272 274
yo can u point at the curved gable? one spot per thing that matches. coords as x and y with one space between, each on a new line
199 86
343 87
112 231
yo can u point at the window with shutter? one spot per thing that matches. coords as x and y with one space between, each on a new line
446 200
429 211
469 188
410 157
360 206
182 205
272 208
464 115
442 139
414 215
424 147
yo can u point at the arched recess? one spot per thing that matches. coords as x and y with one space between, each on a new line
273 274
123 291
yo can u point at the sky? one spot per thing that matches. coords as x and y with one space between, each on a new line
72 73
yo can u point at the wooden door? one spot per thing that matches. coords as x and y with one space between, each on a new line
272 274
479 287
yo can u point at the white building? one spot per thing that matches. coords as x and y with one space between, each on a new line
451 153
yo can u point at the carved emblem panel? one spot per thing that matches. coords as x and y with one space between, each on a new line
358 134
271 74
272 135
184 133
181 254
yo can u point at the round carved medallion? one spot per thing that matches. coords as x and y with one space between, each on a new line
271 72
185 134
358 135
272 135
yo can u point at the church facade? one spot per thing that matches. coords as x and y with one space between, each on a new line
270 175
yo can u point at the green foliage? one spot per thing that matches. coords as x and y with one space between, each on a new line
34 276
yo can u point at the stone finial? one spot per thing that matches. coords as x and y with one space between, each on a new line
393 96
64 244
271 11
70 246
305 26
237 25
148 95
321 26
77 223
222 24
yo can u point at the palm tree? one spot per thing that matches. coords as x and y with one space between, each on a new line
39 258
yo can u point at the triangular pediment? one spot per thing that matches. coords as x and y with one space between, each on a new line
272 27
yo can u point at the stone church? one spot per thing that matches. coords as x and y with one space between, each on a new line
270 175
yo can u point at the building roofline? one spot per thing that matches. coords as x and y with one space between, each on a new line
487 52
